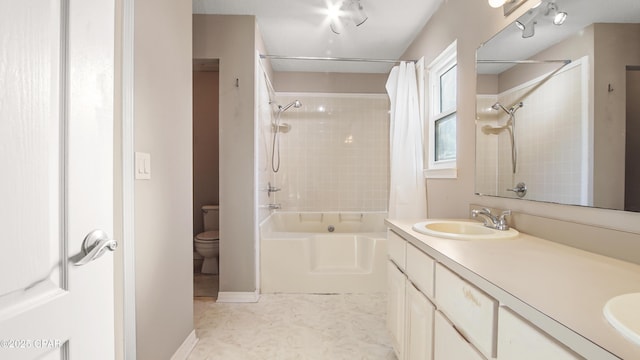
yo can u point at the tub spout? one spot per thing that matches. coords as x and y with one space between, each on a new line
274 206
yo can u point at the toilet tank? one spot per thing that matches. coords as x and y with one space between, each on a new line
210 214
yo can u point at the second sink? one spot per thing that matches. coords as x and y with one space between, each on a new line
462 230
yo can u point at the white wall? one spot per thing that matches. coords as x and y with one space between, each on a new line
163 205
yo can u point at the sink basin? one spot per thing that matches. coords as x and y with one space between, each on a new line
623 312
462 230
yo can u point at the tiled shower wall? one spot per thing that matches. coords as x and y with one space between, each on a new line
336 155
551 152
486 147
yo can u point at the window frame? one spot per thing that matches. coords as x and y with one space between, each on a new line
444 62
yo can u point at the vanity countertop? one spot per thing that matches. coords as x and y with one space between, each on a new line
558 288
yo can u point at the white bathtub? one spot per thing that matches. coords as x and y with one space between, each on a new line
323 252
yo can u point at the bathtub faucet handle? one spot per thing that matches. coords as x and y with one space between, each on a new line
271 189
274 206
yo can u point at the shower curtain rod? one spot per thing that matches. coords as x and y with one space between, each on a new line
522 61
281 57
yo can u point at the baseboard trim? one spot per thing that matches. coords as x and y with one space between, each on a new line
187 346
238 297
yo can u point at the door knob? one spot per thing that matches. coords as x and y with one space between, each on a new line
94 245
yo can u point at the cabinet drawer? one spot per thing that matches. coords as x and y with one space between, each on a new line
471 310
520 340
449 344
420 269
397 248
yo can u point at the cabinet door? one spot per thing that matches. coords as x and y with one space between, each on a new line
419 320
449 344
396 307
520 340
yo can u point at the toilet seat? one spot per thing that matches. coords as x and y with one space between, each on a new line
209 235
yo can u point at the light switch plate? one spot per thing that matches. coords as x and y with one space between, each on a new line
143 166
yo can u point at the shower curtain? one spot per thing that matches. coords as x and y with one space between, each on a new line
407 191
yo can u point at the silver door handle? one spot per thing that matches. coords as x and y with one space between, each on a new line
94 245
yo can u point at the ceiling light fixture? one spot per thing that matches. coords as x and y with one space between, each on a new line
527 22
348 11
528 28
496 3
558 16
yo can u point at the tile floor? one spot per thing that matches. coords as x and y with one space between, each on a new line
205 285
293 326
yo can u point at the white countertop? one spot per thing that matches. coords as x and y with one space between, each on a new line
559 288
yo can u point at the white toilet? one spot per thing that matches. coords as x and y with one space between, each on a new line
207 243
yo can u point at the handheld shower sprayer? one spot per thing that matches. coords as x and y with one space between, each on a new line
280 128
295 103
510 125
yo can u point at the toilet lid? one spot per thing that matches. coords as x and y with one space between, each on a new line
209 235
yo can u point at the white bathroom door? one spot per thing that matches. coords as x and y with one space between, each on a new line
56 178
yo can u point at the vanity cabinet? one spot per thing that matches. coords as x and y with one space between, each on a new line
434 313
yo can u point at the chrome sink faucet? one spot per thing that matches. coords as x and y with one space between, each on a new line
492 221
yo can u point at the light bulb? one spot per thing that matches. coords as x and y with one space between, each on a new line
496 3
560 18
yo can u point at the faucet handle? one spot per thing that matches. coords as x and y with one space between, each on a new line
520 189
502 222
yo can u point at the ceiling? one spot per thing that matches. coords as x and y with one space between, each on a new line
300 28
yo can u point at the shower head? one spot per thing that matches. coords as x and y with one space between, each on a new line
295 104
498 106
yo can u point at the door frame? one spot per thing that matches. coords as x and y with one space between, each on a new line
127 281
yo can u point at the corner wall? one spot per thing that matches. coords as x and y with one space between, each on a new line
231 39
163 204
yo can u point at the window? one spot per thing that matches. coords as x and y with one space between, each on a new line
442 123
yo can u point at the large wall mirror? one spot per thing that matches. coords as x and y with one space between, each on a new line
558 106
